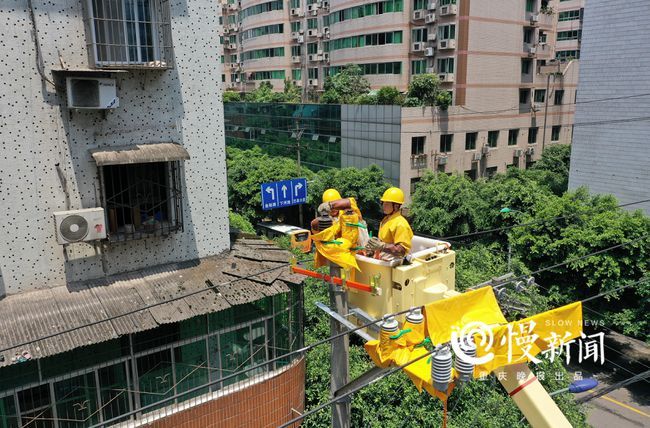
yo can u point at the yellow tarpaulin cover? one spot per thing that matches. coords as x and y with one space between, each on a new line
447 315
520 341
336 250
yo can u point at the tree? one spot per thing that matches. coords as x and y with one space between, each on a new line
389 95
345 86
231 96
239 222
553 167
292 92
426 88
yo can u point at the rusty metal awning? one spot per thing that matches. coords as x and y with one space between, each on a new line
139 153
63 318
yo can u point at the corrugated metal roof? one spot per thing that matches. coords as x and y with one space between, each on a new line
31 316
139 153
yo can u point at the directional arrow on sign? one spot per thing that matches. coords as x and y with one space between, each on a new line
284 191
298 187
271 192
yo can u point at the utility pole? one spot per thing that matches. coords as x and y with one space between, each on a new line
340 368
547 96
298 133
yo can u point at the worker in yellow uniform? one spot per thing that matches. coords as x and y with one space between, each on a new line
334 204
395 233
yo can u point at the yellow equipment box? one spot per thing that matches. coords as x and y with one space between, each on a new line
428 278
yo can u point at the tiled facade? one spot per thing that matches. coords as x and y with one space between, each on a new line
278 399
611 150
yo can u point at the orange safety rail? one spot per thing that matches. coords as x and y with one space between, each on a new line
335 279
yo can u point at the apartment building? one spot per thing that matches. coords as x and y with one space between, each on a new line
610 152
123 299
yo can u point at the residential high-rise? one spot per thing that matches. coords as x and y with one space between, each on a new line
123 299
611 152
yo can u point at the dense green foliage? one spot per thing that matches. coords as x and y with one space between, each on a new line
264 94
426 89
345 86
239 222
231 96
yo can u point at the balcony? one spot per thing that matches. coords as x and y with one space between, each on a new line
419 161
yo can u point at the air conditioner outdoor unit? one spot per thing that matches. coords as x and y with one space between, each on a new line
301 39
326 30
446 77
418 14
92 93
430 70
237 80
80 225
532 51
447 44
295 59
418 46
295 12
313 82
485 150
312 57
301 31
294 35
431 5
297 82
326 57
429 52
450 9
534 19
442 160
530 151
430 18
312 33
442 44
314 12
476 157
518 152
232 46
326 4
431 37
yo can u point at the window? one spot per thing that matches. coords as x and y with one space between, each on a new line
559 95
542 37
393 37
524 96
528 35
295 4
446 32
295 26
445 142
312 23
130 33
532 135
471 174
414 184
490 171
296 50
312 73
142 199
512 137
377 8
555 133
470 140
445 65
493 138
261 8
263 31
526 64
296 74
419 4
569 35
419 35
419 66
567 55
373 68
262 53
530 5
569 15
446 2
540 95
417 145
312 48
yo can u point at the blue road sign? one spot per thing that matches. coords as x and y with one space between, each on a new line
284 193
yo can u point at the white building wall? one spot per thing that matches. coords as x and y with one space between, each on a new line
37 132
611 151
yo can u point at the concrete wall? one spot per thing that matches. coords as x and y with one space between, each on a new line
371 135
611 149
181 105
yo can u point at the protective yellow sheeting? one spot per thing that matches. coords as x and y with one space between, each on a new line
453 313
351 233
420 374
416 335
336 250
520 341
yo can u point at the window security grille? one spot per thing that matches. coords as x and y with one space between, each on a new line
130 33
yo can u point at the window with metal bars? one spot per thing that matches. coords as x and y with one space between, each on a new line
142 199
130 33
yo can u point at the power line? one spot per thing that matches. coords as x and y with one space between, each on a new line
641 376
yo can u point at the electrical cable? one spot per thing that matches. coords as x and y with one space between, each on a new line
352 391
640 376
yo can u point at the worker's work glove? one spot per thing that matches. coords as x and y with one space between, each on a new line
374 244
324 208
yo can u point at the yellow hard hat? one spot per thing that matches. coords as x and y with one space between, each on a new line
331 195
393 194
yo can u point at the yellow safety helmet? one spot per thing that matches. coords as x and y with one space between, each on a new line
394 195
331 195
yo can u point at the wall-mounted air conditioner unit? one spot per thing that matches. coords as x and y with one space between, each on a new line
476 157
326 30
92 93
295 12
447 44
313 82
301 39
429 52
430 18
312 33
80 225
326 57
295 59
518 153
418 47
431 37
530 151
431 5
418 14
534 19
532 51
430 70
326 5
442 160
485 150
450 9
446 77
294 34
